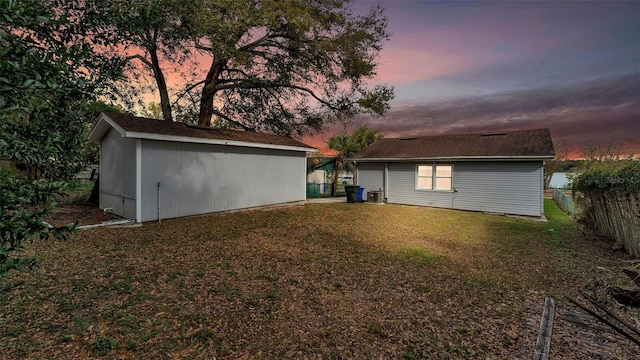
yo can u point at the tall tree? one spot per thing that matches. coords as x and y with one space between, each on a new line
288 65
347 145
276 66
48 71
150 31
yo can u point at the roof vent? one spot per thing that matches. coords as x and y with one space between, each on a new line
409 138
493 134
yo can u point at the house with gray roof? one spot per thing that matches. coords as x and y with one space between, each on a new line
499 172
155 169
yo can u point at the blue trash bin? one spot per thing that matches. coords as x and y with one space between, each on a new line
360 191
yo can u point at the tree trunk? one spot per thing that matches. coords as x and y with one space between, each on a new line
209 93
162 85
337 167
547 180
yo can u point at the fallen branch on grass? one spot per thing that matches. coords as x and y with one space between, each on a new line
610 313
605 321
543 344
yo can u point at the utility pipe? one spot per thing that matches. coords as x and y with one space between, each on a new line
159 202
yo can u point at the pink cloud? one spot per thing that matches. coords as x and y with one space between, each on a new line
605 110
423 46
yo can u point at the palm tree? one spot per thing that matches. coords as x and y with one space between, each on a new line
346 146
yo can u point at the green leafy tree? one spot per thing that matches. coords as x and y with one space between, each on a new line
275 66
48 72
153 111
347 145
88 114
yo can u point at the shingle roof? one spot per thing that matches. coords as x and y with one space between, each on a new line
130 123
509 144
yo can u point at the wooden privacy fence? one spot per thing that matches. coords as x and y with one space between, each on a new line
618 218
89 173
566 203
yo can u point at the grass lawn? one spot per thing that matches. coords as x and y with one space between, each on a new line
316 281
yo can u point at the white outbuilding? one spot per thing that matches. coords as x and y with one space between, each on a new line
155 169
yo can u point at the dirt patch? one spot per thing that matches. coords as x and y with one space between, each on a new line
83 214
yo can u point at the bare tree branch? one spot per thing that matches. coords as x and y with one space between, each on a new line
257 84
255 43
186 91
141 58
245 127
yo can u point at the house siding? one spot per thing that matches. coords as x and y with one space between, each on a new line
370 177
202 178
504 187
402 184
118 175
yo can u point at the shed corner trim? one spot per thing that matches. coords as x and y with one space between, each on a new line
101 128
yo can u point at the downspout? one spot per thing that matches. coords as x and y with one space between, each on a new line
159 202
100 149
542 189
385 181
138 180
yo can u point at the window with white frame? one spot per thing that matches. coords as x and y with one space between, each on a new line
425 177
434 177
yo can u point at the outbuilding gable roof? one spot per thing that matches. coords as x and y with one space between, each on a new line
521 144
142 128
320 163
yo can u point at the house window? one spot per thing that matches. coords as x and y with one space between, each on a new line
434 177
425 177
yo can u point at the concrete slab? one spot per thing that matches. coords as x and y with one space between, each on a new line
327 200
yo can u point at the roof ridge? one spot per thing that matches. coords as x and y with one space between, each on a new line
527 143
506 132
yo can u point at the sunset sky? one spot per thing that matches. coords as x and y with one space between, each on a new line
458 67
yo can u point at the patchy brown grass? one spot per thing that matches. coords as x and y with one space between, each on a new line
315 281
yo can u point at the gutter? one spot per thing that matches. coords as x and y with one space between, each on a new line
187 139
470 158
100 129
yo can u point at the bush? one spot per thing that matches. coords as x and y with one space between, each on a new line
610 178
24 203
611 201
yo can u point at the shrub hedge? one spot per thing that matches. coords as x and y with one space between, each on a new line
611 202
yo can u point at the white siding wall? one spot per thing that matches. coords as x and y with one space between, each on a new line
370 177
503 187
317 177
402 184
201 178
118 174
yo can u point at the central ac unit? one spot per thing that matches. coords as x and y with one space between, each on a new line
374 196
